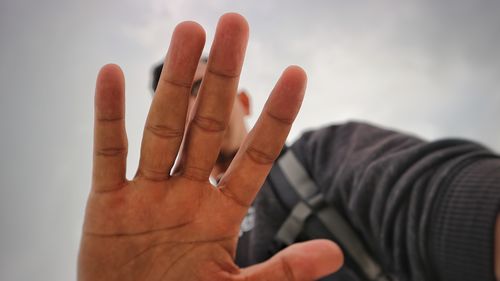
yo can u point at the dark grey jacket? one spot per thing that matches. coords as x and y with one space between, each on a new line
425 210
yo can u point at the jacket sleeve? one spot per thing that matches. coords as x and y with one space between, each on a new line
426 210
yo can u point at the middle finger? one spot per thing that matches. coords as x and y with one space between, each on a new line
213 106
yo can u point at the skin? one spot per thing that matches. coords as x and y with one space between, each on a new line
236 130
177 226
162 227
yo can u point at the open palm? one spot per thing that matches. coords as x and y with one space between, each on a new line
172 224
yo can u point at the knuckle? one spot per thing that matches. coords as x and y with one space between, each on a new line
163 131
226 192
259 156
195 174
287 269
175 83
209 124
108 188
284 121
111 151
151 174
108 118
225 74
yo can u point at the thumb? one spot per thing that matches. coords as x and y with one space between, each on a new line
299 262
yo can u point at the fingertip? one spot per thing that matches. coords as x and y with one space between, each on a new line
110 89
191 30
296 71
296 78
317 257
111 67
229 46
110 71
110 80
331 251
186 46
234 21
309 260
288 94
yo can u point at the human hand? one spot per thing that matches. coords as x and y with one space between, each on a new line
163 226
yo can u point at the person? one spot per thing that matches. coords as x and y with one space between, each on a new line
426 210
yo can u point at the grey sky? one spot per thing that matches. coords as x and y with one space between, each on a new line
426 67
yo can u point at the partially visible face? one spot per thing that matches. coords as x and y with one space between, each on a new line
198 77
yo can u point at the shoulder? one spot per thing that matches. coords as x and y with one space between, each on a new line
335 142
349 131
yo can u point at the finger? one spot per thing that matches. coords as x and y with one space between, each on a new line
110 138
265 141
215 99
306 261
167 116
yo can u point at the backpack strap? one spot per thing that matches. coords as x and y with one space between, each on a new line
312 203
